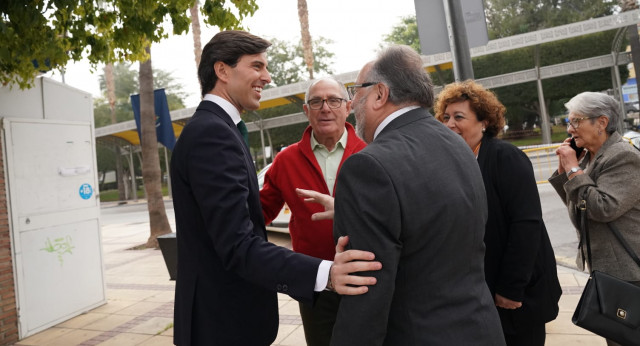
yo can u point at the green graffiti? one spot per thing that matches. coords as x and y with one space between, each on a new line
59 246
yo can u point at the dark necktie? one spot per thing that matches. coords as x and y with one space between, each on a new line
243 131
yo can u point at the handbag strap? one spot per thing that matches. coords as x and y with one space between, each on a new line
624 243
582 207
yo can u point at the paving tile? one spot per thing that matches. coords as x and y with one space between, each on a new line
567 279
82 320
139 308
114 305
284 331
158 340
168 332
563 325
283 302
75 337
574 340
582 279
290 308
124 339
129 294
163 297
568 302
152 326
295 338
109 323
45 336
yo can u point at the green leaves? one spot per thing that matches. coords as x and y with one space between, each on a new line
59 31
286 62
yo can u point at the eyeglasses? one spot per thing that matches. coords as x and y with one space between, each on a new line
575 122
333 103
353 89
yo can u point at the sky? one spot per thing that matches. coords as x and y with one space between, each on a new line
356 27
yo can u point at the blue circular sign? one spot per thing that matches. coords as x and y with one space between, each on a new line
86 191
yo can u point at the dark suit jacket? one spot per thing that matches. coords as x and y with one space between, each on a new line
228 273
414 196
519 262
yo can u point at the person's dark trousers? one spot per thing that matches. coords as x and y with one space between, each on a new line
318 320
533 335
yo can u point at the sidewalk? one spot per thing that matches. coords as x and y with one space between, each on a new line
140 297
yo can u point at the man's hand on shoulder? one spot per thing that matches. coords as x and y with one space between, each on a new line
351 261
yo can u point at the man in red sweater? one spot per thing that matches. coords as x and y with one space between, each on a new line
313 164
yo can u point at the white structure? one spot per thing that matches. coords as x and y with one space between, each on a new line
48 146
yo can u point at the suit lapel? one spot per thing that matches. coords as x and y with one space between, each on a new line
216 110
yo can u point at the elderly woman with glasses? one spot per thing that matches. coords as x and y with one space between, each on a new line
520 266
607 176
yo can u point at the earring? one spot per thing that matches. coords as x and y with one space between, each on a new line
483 129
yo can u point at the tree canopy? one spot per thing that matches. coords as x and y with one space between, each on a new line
43 35
512 17
286 60
40 35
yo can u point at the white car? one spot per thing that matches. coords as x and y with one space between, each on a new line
281 222
633 137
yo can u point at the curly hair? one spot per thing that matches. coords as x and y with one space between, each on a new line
482 101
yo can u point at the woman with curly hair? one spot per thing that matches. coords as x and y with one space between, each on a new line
520 266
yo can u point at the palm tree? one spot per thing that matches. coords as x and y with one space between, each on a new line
111 97
303 15
195 26
158 221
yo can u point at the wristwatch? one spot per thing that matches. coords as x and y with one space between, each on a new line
573 170
329 283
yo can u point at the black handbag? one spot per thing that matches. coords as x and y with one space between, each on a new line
609 307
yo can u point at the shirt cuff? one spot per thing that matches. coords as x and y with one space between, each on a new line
322 276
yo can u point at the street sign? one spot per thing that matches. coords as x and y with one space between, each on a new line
432 25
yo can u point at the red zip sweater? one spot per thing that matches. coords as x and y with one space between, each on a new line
296 167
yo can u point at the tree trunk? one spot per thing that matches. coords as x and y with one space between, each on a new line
307 47
158 221
111 96
195 26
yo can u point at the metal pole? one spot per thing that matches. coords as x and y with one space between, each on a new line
264 152
270 144
544 124
460 54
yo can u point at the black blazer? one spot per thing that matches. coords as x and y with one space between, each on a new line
519 262
415 197
228 274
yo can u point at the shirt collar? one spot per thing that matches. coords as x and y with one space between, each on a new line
225 105
391 117
342 141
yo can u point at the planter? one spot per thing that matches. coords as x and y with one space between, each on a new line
169 247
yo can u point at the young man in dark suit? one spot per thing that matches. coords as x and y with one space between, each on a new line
415 197
228 274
